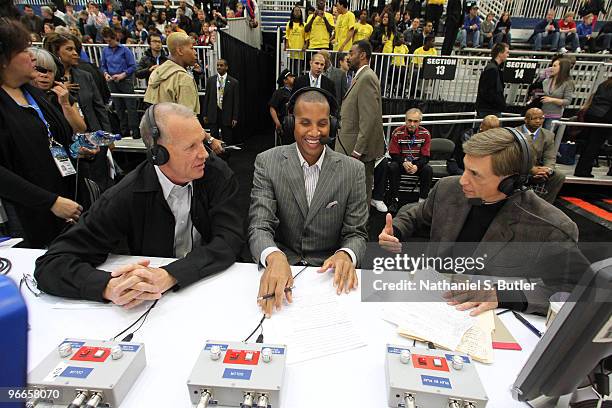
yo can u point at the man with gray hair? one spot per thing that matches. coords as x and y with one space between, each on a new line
486 205
180 203
48 17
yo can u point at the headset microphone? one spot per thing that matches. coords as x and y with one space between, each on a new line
325 140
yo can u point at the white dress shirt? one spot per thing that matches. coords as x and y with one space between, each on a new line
179 201
315 82
311 178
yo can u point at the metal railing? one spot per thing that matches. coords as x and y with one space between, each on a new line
239 28
287 5
401 77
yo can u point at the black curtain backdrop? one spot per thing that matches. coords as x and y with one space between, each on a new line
255 71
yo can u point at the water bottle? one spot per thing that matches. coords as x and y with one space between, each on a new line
91 140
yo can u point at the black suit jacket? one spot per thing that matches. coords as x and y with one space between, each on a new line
304 80
90 101
231 100
134 212
490 97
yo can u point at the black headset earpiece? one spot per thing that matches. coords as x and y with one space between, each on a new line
157 154
289 121
516 182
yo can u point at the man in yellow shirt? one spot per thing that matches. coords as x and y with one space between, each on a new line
319 27
363 30
345 27
426 50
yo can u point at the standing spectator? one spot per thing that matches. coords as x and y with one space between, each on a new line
141 14
567 33
152 58
585 33
383 35
433 13
129 23
337 75
593 7
315 77
413 36
361 135
486 31
170 82
319 27
471 28
409 150
118 66
345 27
56 92
294 34
427 50
546 32
490 99
34 191
161 21
454 16
502 29
543 172
221 103
31 21
414 8
141 34
363 30
600 111
558 91
278 104
50 18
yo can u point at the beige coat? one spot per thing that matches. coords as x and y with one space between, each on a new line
361 114
171 83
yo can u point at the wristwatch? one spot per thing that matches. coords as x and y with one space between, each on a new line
210 140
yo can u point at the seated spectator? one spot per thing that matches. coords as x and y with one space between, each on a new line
239 10
109 11
585 33
486 31
141 33
161 22
593 7
48 17
198 22
82 22
502 29
567 33
545 181
129 23
488 122
149 8
48 28
31 21
140 14
546 32
96 21
604 38
70 17
184 22
185 9
412 36
307 205
115 21
153 57
168 10
168 206
34 190
470 33
205 37
409 150
426 50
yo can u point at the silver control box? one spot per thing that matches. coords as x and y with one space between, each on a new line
237 374
97 373
424 378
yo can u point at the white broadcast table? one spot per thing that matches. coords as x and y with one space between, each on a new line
223 307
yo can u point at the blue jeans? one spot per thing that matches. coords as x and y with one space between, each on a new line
551 38
473 35
501 37
572 38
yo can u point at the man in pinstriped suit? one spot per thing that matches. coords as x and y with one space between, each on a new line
308 206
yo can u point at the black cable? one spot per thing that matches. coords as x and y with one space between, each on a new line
5 266
258 326
503 311
144 315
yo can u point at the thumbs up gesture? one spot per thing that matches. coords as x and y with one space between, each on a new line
387 240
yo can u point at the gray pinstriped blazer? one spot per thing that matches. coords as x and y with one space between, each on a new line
279 214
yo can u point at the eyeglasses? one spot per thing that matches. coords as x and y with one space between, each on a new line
42 70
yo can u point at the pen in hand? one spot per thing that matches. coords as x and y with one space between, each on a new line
271 295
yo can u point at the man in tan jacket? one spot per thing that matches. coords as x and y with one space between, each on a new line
361 135
171 82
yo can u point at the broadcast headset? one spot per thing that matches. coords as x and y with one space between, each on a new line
334 123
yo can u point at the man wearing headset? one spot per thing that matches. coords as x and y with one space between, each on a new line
180 203
487 204
308 203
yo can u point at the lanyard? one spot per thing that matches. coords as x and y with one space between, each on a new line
411 143
34 105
